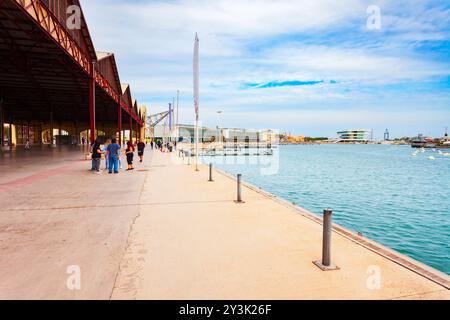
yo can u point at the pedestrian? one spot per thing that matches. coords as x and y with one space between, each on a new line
141 148
113 151
96 157
129 152
151 144
92 158
105 149
28 145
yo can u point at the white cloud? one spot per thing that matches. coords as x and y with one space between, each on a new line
260 41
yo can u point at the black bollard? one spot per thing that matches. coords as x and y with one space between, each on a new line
325 264
239 189
210 172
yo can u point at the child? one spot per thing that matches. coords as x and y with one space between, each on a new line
129 152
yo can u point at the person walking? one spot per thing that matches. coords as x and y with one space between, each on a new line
92 156
105 152
141 149
96 156
151 144
28 145
129 152
113 151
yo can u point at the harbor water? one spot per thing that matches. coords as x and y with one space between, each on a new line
399 200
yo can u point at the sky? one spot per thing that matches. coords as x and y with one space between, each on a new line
306 67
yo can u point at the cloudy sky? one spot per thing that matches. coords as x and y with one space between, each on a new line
308 67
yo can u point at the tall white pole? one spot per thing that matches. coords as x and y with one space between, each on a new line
173 127
196 143
196 96
178 107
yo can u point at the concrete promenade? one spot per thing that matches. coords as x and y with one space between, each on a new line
192 241
54 214
164 232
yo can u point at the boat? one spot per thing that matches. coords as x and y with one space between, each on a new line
421 142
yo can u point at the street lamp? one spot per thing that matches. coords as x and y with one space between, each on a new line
219 135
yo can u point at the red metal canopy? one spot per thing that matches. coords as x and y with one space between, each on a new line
45 67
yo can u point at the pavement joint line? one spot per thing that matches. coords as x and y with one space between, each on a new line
115 206
417 294
128 244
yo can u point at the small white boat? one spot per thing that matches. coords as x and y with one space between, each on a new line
431 158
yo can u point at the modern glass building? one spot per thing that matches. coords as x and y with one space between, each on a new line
358 135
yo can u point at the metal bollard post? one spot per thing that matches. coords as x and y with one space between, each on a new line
210 172
326 242
239 189
189 159
325 264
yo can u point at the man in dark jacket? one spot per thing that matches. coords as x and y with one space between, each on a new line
96 157
141 148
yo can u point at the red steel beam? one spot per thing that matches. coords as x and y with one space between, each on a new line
92 106
50 24
47 21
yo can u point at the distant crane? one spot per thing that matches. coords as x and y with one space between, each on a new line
154 119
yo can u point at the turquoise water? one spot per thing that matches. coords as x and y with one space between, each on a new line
382 191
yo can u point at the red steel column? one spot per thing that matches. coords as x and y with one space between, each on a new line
137 131
51 128
131 128
10 142
92 104
119 123
2 125
2 120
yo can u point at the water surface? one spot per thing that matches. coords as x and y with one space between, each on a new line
382 191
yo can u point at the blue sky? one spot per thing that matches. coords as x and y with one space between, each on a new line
306 67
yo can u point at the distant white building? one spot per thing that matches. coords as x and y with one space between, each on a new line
187 133
356 135
250 135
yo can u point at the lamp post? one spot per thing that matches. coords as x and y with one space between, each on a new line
219 134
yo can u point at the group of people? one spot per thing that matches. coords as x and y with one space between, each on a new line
165 147
111 151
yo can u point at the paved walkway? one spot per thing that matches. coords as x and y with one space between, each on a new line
164 232
192 241
54 214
